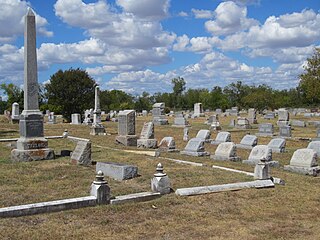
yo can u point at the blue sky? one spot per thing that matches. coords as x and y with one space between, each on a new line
140 45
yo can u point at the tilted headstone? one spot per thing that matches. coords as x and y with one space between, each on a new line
304 161
31 145
252 116
82 153
180 121
315 145
147 139
226 151
167 144
195 147
283 117
243 123
15 116
266 129
97 128
127 128
158 114
204 135
298 123
75 119
221 138
118 171
52 119
277 145
248 142
261 152
285 131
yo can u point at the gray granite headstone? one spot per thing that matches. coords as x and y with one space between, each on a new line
285 131
226 151
277 145
248 142
204 135
252 116
158 114
261 152
315 145
195 147
147 139
304 161
243 123
118 171
269 115
283 117
298 123
127 128
222 137
82 153
266 129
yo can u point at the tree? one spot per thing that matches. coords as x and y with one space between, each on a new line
71 91
310 79
115 100
236 92
179 85
143 102
14 93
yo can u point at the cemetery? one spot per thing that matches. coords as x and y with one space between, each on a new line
103 180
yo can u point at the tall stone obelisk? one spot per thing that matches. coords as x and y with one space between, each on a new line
31 145
97 128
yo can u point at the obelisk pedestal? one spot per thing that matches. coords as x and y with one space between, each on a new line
31 145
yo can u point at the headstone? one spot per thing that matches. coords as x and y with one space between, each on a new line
52 119
277 145
285 131
226 151
118 171
82 153
315 145
221 138
167 144
252 116
195 147
218 111
304 161
318 135
158 114
298 123
31 145
261 152
265 129
180 121
248 142
204 135
232 123
160 182
262 170
211 119
127 128
97 128
283 117
15 113
87 117
243 123
234 111
144 113
147 139
185 134
198 111
75 119
308 115
269 115
215 125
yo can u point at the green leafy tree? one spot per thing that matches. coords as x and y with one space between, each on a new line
143 102
310 79
179 85
236 92
14 93
259 98
115 100
71 91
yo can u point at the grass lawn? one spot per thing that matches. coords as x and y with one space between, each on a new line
284 212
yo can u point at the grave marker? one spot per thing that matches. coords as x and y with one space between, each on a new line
248 142
226 151
195 147
82 153
222 137
127 128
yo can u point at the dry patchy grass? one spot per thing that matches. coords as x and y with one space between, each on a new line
283 212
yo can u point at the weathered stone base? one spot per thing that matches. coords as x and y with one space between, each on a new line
270 163
195 154
161 185
243 126
117 171
242 146
97 130
222 158
278 150
313 171
216 142
160 122
265 134
129 140
283 123
180 126
147 143
32 155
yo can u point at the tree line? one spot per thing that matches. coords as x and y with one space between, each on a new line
72 91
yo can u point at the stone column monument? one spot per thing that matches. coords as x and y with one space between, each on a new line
97 128
31 145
